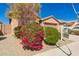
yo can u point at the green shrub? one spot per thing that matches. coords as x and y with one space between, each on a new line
17 30
52 36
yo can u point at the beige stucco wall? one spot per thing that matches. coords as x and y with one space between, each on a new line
5 29
0 26
14 24
51 20
9 28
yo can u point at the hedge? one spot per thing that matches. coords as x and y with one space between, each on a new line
51 35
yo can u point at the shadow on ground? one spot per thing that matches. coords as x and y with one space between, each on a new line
2 38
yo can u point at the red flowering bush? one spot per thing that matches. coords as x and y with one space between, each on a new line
32 36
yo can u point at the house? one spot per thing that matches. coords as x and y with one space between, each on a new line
76 24
70 24
52 22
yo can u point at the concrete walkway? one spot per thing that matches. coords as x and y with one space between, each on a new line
11 46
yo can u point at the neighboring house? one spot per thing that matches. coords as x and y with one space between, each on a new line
52 22
76 24
70 24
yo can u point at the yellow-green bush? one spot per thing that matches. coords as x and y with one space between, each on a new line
52 35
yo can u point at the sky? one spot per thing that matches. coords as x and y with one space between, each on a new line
3 13
61 11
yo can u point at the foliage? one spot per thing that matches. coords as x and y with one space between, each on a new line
24 12
17 30
31 29
32 36
52 35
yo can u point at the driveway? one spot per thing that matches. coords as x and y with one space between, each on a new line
74 48
10 47
74 38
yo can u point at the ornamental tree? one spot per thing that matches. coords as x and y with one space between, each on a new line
24 12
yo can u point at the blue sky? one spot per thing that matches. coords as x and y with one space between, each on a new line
59 10
62 11
3 10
